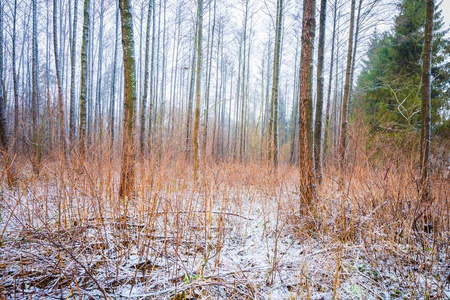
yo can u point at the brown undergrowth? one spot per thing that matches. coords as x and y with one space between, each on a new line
236 233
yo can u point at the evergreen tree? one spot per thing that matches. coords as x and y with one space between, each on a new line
392 76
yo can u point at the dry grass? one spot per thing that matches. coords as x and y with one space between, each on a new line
235 234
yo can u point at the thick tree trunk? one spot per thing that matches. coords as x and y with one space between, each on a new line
307 177
275 79
84 88
129 101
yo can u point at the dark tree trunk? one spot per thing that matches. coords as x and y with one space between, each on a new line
307 177
129 101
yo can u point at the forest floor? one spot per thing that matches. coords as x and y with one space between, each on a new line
236 234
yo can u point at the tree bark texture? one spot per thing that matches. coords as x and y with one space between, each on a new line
307 177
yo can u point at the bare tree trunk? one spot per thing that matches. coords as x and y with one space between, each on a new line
62 122
37 145
294 119
4 138
90 78
425 137
330 80
163 81
197 86
347 87
129 102
4 143
275 79
15 80
307 177
98 103
355 47
113 87
146 75
72 116
319 102
84 64
190 100
243 83
152 80
208 83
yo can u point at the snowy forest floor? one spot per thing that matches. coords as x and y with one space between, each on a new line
236 234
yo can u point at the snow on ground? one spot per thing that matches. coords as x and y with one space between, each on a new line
233 244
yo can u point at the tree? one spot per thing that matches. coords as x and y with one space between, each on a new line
275 79
4 141
392 76
84 71
129 102
72 116
319 102
98 111
37 146
426 106
15 79
345 100
113 84
197 85
146 75
62 123
208 76
4 138
3 121
307 176
330 78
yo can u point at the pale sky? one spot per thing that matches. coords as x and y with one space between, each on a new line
445 6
